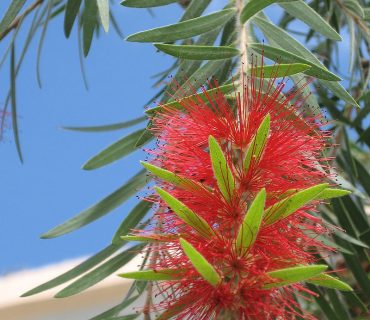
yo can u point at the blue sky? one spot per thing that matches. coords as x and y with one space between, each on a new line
50 186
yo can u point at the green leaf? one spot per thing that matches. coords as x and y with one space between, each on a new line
146 3
205 269
330 193
367 14
151 238
355 7
101 208
280 38
325 280
171 177
282 56
115 310
185 29
72 9
89 24
194 52
100 273
132 220
76 271
10 15
173 310
186 214
204 96
103 8
221 170
258 143
13 102
145 137
251 224
114 152
254 6
289 205
309 16
278 71
294 274
154 275
108 127
195 9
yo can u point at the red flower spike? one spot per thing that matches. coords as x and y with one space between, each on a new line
213 158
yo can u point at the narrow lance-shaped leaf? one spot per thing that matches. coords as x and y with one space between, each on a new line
114 152
309 16
154 275
146 3
101 208
185 29
100 273
132 220
186 214
294 274
258 143
251 224
10 14
325 280
254 6
103 6
108 127
72 8
330 193
289 205
171 177
205 269
89 24
151 238
283 56
194 52
279 70
221 170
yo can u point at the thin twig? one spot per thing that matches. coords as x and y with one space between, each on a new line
19 18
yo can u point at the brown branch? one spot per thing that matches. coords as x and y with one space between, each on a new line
20 17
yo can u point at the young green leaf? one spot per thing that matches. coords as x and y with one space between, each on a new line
146 3
294 274
205 269
72 8
309 16
282 56
258 143
171 177
325 280
114 152
194 52
279 70
103 8
221 170
330 193
154 275
101 208
186 214
203 96
251 224
289 205
185 29
151 238
100 273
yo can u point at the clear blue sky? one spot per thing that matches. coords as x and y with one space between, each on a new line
50 186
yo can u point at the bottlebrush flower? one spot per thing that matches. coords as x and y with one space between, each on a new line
237 183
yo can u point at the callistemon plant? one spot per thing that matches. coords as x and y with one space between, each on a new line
238 180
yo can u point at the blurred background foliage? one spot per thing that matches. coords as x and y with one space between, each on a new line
309 34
